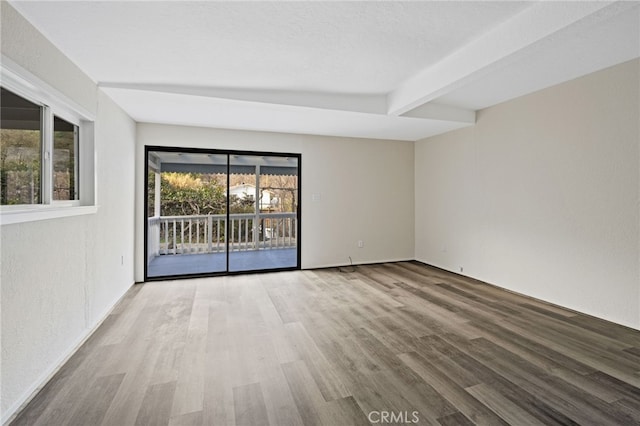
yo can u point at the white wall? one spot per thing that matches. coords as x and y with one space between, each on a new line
366 190
60 277
542 196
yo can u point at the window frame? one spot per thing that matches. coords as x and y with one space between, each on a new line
53 103
76 163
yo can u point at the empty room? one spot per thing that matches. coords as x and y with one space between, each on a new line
319 213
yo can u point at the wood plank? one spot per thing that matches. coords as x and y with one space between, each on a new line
565 398
631 407
189 394
502 406
421 394
324 374
249 405
460 367
327 348
307 396
455 394
156 405
345 411
456 419
516 339
93 406
280 404
188 419
163 322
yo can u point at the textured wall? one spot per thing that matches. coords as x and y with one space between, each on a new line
60 277
366 189
541 196
22 43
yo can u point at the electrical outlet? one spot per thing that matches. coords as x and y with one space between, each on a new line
461 269
360 243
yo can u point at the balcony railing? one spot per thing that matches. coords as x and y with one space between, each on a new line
172 235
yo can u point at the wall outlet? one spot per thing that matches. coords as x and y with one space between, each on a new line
461 269
360 243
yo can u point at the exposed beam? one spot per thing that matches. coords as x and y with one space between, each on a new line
366 104
373 104
202 111
494 49
436 111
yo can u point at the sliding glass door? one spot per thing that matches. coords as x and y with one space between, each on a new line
216 212
263 212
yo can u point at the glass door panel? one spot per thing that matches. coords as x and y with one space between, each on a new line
263 212
186 213
243 213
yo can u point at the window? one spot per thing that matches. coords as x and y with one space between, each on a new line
20 150
65 160
26 148
47 161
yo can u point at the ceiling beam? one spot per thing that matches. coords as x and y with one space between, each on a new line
372 104
436 111
202 111
494 49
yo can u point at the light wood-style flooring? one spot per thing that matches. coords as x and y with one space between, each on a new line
394 342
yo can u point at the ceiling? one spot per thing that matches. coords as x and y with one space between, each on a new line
384 70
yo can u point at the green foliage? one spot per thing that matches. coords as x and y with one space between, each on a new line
188 194
242 205
19 166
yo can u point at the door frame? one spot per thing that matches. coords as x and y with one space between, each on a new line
228 153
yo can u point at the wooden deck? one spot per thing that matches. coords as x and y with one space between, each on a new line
251 260
329 348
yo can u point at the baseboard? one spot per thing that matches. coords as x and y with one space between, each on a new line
368 262
48 374
526 296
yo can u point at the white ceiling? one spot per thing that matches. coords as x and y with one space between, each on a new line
387 70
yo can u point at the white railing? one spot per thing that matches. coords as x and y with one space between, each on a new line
171 235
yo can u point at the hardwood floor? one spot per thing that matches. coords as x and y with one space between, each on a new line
392 343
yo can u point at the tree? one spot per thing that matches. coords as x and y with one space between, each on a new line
190 194
187 194
19 166
285 189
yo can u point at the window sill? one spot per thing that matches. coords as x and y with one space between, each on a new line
35 213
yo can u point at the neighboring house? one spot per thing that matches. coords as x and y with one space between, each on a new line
268 199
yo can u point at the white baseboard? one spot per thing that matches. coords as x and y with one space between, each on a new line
55 366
